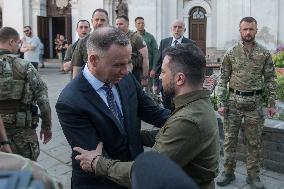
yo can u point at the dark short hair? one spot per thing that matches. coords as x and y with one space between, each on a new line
28 27
7 33
102 38
248 19
82 21
139 18
100 10
188 59
123 17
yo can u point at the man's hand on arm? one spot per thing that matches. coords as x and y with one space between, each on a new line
89 159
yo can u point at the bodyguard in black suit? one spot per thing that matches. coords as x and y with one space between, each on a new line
105 103
178 29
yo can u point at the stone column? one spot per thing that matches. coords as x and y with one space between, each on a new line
75 18
209 31
13 14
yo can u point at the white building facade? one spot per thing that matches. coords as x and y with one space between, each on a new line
214 24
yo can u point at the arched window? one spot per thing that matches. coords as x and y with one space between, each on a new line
197 27
198 13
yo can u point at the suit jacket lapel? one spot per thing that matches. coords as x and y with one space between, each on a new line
184 40
169 42
90 94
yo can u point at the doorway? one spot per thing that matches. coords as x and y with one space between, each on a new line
58 27
57 21
197 27
48 28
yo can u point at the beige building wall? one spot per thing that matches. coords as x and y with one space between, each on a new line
222 27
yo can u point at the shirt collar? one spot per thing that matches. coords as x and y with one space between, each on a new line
187 98
142 32
96 84
243 46
179 40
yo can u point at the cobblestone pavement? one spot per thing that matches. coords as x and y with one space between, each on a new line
55 156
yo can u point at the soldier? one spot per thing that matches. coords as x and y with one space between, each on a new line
151 45
13 162
80 56
248 68
139 57
83 29
21 87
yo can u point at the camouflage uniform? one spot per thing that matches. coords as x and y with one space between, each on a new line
248 73
137 43
80 56
13 162
21 87
152 53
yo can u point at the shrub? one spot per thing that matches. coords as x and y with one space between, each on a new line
278 59
280 87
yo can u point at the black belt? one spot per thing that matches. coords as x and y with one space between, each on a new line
251 93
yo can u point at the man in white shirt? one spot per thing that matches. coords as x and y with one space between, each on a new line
30 46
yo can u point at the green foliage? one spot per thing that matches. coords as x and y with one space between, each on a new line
214 101
278 59
280 87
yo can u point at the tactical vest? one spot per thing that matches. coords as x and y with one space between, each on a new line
15 92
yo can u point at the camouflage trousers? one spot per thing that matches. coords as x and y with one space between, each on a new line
24 141
251 122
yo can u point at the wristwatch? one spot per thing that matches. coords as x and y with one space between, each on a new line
5 142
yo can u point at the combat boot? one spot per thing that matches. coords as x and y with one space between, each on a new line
225 178
255 183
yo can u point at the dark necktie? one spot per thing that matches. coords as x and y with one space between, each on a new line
114 107
175 42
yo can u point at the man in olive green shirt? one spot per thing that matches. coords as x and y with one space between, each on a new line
139 56
187 137
151 45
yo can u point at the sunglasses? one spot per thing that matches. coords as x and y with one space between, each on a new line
26 31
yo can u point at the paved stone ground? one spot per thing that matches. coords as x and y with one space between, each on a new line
55 156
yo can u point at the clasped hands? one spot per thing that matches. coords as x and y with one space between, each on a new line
89 159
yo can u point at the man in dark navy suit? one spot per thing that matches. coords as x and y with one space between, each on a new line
105 103
178 29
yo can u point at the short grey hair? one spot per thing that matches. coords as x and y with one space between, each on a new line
102 38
